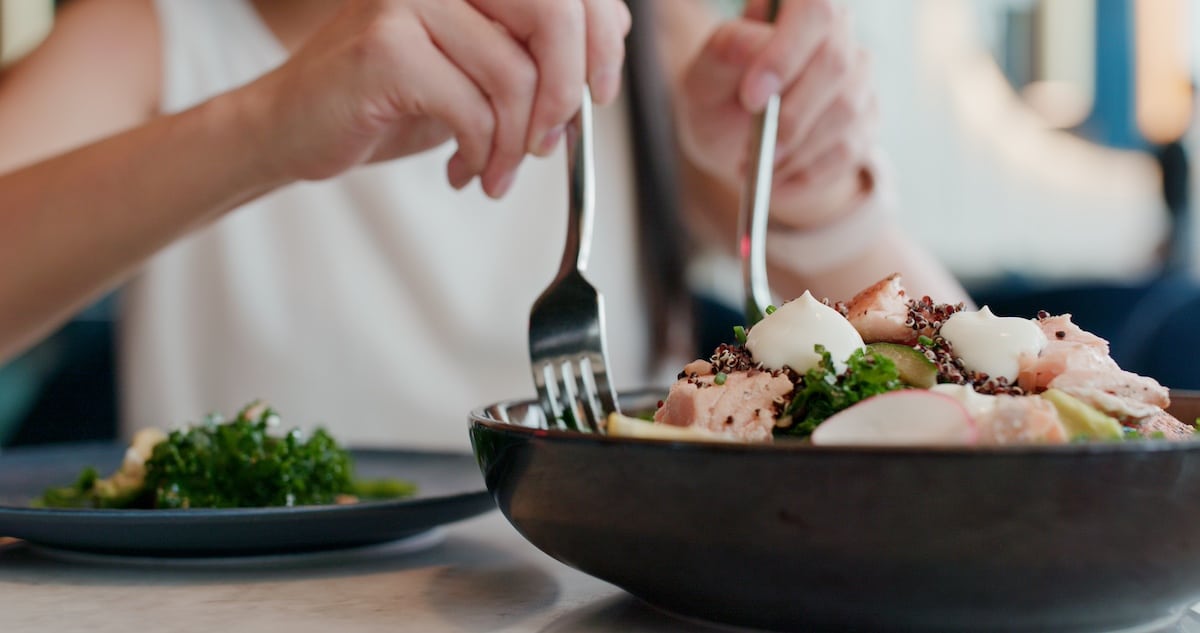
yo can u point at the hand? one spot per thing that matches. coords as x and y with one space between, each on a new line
827 110
390 78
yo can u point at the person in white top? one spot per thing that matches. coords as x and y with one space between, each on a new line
364 282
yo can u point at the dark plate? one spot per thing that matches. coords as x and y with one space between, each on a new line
449 489
1084 537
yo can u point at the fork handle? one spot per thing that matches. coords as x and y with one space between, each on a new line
755 209
756 204
581 188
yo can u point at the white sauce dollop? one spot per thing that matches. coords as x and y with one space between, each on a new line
992 344
788 335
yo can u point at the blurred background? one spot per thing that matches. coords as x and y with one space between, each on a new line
1041 148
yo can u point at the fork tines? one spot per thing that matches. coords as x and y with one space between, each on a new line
572 392
567 348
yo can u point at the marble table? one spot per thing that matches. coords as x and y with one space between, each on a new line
477 575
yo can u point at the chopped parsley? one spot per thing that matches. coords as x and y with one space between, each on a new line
823 392
240 464
227 464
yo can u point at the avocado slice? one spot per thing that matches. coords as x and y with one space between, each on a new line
915 369
1081 419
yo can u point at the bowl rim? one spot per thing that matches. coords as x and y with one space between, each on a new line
480 418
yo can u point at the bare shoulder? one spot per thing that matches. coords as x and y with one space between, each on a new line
114 37
97 72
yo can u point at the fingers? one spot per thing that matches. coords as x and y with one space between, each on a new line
388 79
800 27
552 31
398 93
503 71
833 159
527 58
607 23
845 112
833 66
456 100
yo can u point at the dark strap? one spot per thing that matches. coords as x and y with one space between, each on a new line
661 237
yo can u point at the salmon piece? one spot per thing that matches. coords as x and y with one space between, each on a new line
879 313
1059 358
1020 420
1078 363
1059 328
744 406
1170 426
1121 394
698 367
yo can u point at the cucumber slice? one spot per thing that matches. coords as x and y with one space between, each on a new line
915 369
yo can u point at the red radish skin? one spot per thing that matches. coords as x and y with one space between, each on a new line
912 417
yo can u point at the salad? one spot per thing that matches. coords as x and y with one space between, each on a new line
886 368
226 464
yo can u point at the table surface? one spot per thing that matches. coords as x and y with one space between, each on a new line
476 575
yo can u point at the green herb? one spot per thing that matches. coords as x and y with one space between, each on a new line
739 333
77 495
771 309
1130 433
239 463
371 489
568 418
925 340
720 378
823 392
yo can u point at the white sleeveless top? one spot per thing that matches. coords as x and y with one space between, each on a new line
382 304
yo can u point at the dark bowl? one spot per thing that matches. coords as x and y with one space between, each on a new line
788 536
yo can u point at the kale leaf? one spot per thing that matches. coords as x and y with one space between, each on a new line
240 464
822 392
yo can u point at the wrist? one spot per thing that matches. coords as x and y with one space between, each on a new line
847 233
248 116
827 202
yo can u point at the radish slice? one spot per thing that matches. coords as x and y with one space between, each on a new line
913 417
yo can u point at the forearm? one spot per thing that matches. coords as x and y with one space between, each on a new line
74 226
890 251
887 249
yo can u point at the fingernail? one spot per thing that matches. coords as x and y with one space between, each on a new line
604 82
550 141
760 90
504 184
457 172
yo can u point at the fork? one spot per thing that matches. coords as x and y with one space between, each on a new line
756 205
567 347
